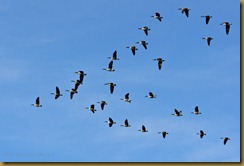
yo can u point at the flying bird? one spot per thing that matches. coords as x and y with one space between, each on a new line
225 139
126 123
92 108
157 16
160 62
110 122
143 43
227 27
201 133
77 83
82 74
143 129
208 39
177 113
207 18
110 67
164 133
133 49
102 104
196 111
37 104
145 29
112 85
72 92
185 10
57 93
114 57
126 99
151 95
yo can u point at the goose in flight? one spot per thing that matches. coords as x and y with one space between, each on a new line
143 129
114 57
164 133
196 111
110 67
207 18
102 104
201 134
77 83
157 16
145 29
112 85
227 27
185 10
160 62
92 108
72 92
225 139
37 104
143 43
151 95
133 49
177 113
110 122
57 93
126 123
82 74
126 99
208 39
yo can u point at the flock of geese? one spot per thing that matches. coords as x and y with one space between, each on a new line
126 98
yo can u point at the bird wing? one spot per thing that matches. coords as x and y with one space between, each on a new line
144 45
126 122
176 111
146 31
157 14
151 94
76 86
111 89
102 105
127 96
143 128
110 65
187 12
207 19
160 64
227 29
71 95
81 79
133 51
196 109
208 40
115 55
92 106
38 100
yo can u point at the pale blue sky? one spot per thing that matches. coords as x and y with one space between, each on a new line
43 42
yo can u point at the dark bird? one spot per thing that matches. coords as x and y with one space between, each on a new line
114 57
151 95
110 67
196 111
143 129
208 40
133 49
92 108
126 99
207 18
72 92
145 29
112 85
57 93
164 133
160 62
102 103
82 74
143 43
227 27
157 16
37 104
177 113
126 124
201 133
110 122
225 139
77 83
185 10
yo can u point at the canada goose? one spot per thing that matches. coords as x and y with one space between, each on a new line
110 67
145 29
227 27
185 10
102 103
110 122
177 113
112 85
114 57
57 93
133 49
164 133
72 92
37 104
126 123
126 99
207 18
143 129
151 95
160 62
77 83
82 74
92 108
208 39
201 133
143 43
157 16
196 111
225 139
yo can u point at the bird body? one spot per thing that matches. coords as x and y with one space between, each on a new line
185 10
112 85
164 133
72 92
207 18
160 62
37 103
196 111
110 67
126 123
114 57
143 43
157 16
102 103
225 139
110 122
145 29
82 74
208 39
133 49
143 129
151 95
57 93
227 27
92 108
201 133
177 113
126 99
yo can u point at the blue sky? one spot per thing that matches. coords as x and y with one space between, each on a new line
44 42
